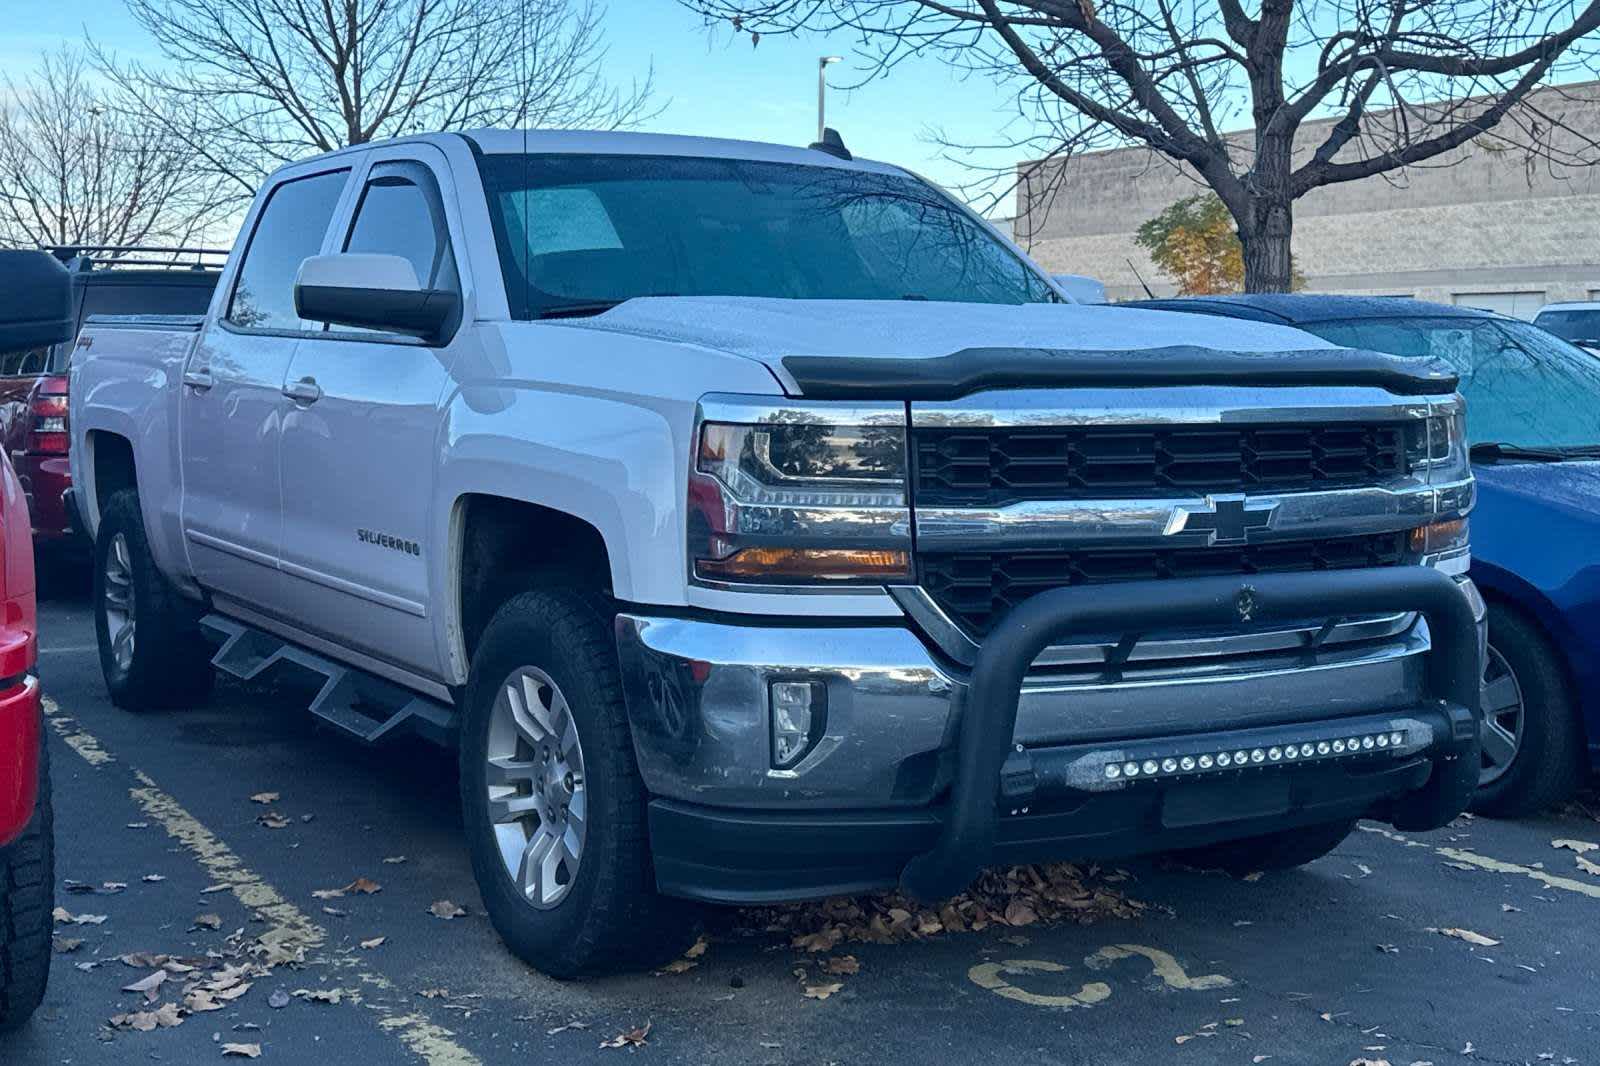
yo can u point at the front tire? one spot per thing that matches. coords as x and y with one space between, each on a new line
1284 850
553 804
151 650
1532 746
27 898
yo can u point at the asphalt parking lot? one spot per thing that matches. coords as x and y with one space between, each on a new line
320 897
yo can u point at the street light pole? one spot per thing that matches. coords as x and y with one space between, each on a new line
822 90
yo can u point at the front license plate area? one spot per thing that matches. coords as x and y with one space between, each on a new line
1209 802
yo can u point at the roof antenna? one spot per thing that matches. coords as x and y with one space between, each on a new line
832 143
1142 285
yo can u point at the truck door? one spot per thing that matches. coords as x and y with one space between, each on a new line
361 440
231 405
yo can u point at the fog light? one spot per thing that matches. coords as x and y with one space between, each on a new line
1258 756
1205 762
1130 769
1383 740
1396 739
1187 762
1113 771
1323 747
799 712
1224 759
1338 746
1169 765
1367 743
1274 754
1150 766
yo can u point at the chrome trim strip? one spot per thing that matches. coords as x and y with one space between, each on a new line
1145 523
954 641
754 410
1185 405
351 588
228 547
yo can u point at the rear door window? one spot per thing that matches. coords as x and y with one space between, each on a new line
289 231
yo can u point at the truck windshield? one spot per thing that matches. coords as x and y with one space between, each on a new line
578 234
1522 385
1578 326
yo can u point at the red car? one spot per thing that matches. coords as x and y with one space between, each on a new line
105 280
35 309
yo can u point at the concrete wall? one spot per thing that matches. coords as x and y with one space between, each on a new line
1474 227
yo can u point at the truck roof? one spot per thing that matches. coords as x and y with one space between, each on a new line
611 142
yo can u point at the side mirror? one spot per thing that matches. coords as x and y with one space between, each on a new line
372 292
35 301
1084 289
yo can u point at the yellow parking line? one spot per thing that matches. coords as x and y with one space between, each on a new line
292 930
1484 862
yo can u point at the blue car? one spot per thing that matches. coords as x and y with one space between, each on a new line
1533 421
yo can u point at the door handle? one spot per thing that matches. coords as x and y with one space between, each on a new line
306 390
199 380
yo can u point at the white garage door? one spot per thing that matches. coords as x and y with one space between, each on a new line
1516 304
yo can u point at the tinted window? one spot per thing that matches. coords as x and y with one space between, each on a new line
1573 325
1522 385
289 231
399 214
24 362
577 230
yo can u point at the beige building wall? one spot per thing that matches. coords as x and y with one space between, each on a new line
1485 225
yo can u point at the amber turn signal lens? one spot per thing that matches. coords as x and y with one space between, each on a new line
811 564
1437 534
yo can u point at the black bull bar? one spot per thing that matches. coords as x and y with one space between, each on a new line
989 714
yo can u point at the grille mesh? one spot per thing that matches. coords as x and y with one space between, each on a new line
993 467
977 588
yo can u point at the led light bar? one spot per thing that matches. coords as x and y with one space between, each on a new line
1102 769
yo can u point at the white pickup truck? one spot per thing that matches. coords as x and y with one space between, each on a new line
761 525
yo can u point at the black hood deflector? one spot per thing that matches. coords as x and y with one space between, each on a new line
949 377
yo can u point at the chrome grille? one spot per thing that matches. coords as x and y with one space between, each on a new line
995 466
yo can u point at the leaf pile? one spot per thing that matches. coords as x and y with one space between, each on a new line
1017 896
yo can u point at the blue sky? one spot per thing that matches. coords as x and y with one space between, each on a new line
715 82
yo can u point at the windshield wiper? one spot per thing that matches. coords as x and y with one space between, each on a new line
1488 451
577 310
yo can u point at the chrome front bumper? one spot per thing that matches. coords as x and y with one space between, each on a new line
697 694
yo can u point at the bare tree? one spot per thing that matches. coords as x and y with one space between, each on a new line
1407 80
75 171
262 82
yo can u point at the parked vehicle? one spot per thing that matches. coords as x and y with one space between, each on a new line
753 517
1533 425
35 310
33 380
1578 322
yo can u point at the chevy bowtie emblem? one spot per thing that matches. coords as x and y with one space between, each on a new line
1228 519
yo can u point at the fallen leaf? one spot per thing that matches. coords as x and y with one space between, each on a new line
63 944
823 940
630 1038
1369 1062
564 1028
152 878
697 949
244 1051
278 1000
434 993
1020 913
320 995
265 797
1468 935
273 820
1509 909
841 966
208 921
394 860
1388 949
336 912
328 893
363 886
375 942
1586 866
198 1001
62 916
677 966
1233 1023
149 985
166 1017
822 991
443 908
1582 847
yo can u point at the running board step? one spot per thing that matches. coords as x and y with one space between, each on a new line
356 702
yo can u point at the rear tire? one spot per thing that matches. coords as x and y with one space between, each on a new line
151 650
1272 851
27 899
1546 765
565 871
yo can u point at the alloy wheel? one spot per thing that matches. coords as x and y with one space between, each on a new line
538 798
1503 717
117 601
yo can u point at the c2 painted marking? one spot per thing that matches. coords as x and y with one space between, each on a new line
997 977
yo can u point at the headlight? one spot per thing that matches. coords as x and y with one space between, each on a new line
790 495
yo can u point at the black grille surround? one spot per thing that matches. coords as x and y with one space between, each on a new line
976 588
996 466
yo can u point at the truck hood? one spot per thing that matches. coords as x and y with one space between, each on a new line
920 349
768 329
